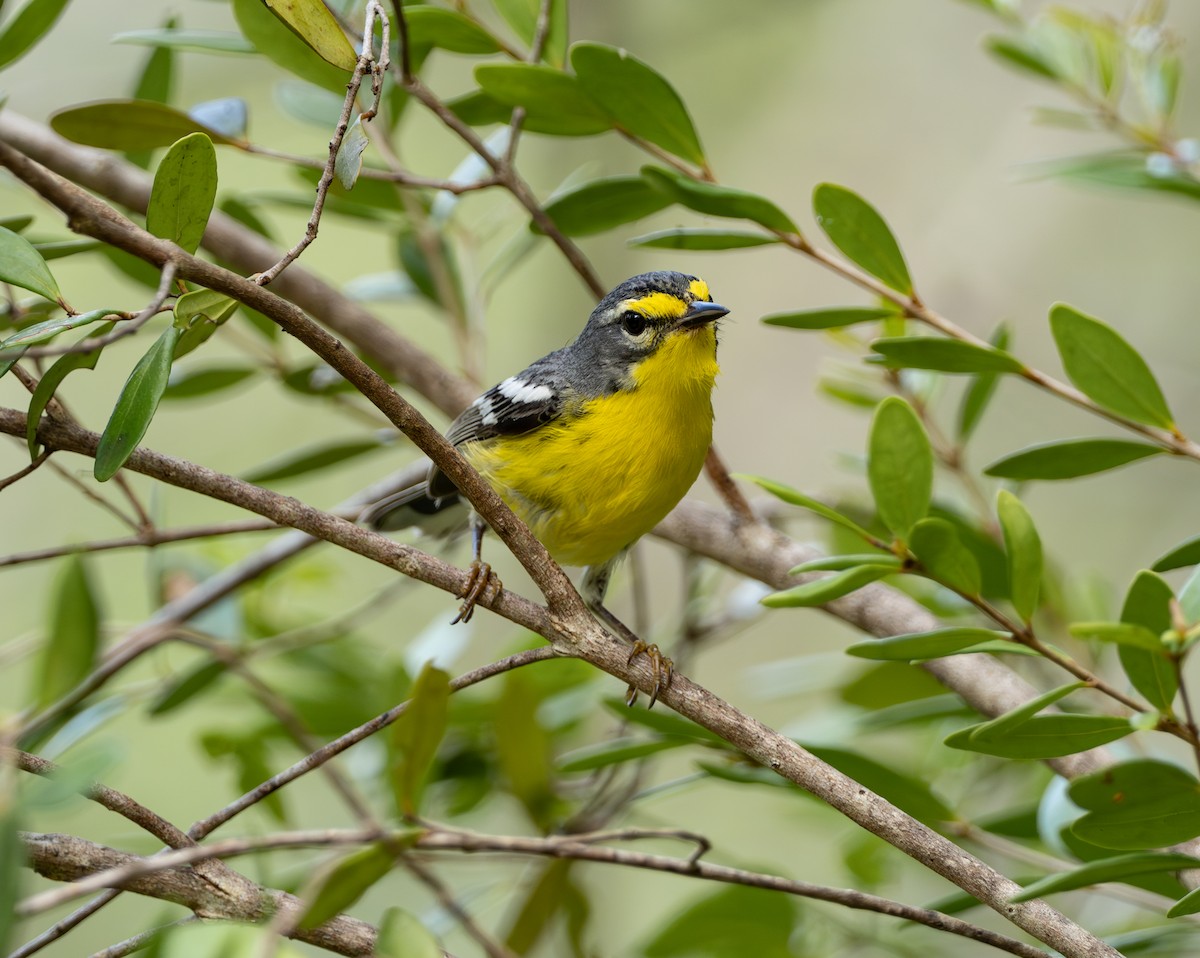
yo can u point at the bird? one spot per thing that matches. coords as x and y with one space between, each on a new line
593 444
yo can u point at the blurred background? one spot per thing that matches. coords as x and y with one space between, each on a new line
900 103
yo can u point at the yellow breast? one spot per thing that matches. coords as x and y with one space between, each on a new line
594 482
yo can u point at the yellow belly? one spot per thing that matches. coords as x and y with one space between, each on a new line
592 486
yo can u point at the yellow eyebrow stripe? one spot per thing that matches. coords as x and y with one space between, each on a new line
699 290
657 306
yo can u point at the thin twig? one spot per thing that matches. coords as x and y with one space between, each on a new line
445 895
22 473
137 942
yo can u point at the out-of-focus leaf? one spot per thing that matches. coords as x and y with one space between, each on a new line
22 265
1153 674
701 239
717 200
543 902
128 125
522 16
1117 868
664 723
70 650
899 466
554 102
12 864
1137 804
599 205
1023 546
616 752
1185 554
731 922
49 383
523 748
135 406
185 186
1119 633
1126 170
827 588
15 224
1046 736
979 393
858 230
32 22
345 883
273 38
185 687
448 29
155 83
638 98
202 41
196 381
1021 56
1107 368
228 115
944 355
400 934
797 498
313 23
1070 458
924 645
906 792
63 248
40 332
829 318
416 736
348 163
840 562
937 545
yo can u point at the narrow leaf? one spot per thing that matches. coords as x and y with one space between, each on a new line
135 406
1070 458
198 315
1047 736
899 466
448 29
924 645
522 16
638 98
827 588
718 200
416 736
1189 904
701 239
193 382
861 233
1023 546
22 265
616 752
202 41
1185 554
41 332
313 23
400 934
128 125
907 792
979 393
1023 713
554 101
1153 674
185 687
312 459
274 39
70 650
523 748
1021 56
944 355
1107 368
48 385
599 205
1119 633
32 22
829 318
797 498
345 883
838 563
185 186
1117 868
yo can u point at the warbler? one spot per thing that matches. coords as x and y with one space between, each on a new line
593 444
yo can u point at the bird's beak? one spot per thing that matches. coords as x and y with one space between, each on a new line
700 314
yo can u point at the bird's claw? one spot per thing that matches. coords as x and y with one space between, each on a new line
479 580
664 670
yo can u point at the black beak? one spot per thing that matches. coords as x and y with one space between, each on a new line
701 314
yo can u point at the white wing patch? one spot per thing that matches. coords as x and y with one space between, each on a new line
520 391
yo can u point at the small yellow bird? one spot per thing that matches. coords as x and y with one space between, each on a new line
595 443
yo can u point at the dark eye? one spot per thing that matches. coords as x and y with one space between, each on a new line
633 323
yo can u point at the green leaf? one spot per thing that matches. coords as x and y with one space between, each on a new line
201 41
701 239
22 265
1070 458
730 923
185 687
523 748
32 22
198 381
1021 56
128 125
274 39
1127 169
1185 554
416 736
899 466
135 406
925 645
1137 804
522 16
49 383
827 588
69 653
1117 868
313 23
185 186
599 205
906 792
1023 546
312 459
979 393
1189 904
840 562
638 98
400 934
718 200
797 498
1107 369
1153 674
449 30
12 864
936 544
830 318
664 723
40 332
64 248
1023 713
198 315
348 163
554 102
616 752
155 84
341 886
1047 736
944 355
1119 633
17 224
861 233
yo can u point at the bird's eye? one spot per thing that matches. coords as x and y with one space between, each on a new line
634 323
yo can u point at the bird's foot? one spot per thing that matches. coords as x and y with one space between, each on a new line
664 670
480 579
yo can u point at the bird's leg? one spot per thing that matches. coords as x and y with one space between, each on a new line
595 585
480 576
